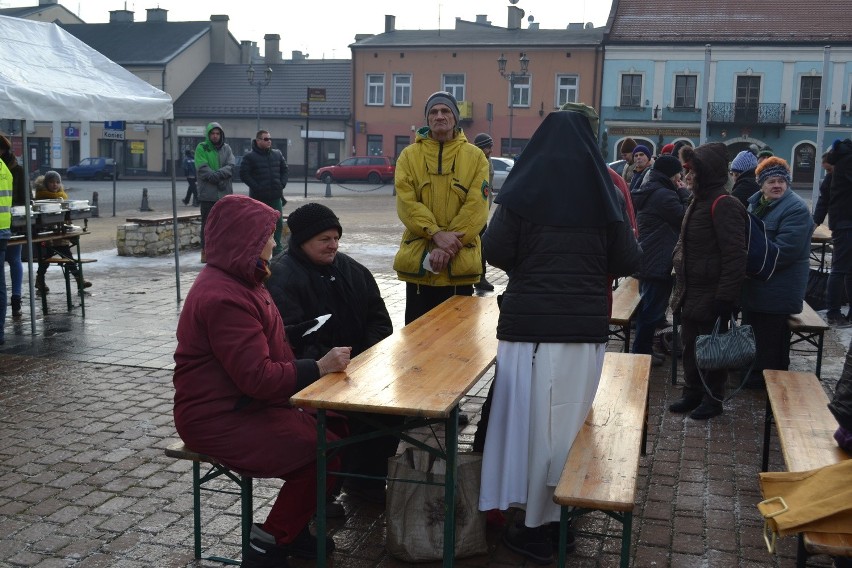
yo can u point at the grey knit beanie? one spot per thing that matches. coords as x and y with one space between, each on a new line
444 98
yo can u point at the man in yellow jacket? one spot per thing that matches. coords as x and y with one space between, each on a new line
5 233
442 199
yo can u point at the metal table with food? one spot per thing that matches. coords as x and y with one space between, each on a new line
53 220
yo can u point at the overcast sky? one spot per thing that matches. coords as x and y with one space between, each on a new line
324 28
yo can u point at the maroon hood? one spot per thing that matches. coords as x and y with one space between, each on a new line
237 229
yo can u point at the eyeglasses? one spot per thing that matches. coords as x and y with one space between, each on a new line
266 139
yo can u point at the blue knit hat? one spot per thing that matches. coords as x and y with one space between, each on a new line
744 161
640 149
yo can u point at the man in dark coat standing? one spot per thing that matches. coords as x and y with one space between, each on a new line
839 198
264 171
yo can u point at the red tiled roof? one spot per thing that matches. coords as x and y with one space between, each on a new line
731 21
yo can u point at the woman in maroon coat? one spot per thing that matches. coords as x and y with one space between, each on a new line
235 373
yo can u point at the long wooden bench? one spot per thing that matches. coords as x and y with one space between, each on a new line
625 300
179 451
163 219
603 463
810 328
805 428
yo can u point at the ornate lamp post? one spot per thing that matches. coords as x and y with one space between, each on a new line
260 84
512 77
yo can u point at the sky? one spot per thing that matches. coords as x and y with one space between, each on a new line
324 28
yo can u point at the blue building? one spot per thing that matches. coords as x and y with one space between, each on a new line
764 87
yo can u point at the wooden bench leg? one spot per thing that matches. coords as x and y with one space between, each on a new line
564 518
246 510
626 535
626 332
767 431
819 354
66 273
801 552
196 507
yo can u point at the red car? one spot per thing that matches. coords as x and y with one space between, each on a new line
373 169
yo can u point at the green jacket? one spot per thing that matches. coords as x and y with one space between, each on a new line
214 167
441 186
6 184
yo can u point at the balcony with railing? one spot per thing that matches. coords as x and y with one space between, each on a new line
760 114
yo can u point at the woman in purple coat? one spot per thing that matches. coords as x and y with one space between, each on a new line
235 373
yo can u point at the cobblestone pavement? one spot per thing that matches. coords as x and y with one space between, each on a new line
85 413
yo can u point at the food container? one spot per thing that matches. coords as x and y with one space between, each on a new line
78 204
19 211
48 206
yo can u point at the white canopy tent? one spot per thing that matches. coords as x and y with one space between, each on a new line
50 75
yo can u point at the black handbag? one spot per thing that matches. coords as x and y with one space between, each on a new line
730 350
816 291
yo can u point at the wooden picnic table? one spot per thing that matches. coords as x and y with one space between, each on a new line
421 371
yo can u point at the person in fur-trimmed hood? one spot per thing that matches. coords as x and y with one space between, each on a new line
709 264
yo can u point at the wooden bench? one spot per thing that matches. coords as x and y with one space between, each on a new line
625 300
603 463
810 328
179 451
805 428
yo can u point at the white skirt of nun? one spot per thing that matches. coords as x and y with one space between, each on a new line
541 399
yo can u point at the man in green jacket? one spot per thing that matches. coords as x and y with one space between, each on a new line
214 164
442 199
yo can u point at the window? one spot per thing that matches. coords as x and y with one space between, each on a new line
402 90
454 84
400 143
809 97
686 87
566 89
521 91
376 90
631 90
374 146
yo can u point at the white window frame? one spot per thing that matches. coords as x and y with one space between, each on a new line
567 93
520 91
674 91
375 89
402 90
454 88
621 85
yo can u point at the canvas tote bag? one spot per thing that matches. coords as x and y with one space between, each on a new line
415 512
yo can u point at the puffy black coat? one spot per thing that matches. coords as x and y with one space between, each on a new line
745 186
345 289
841 403
659 207
558 277
840 190
264 172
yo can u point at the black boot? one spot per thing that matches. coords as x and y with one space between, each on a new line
40 286
263 552
16 306
685 404
707 410
534 543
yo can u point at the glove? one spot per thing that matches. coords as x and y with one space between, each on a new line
296 330
723 309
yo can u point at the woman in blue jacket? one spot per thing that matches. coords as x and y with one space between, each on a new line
768 305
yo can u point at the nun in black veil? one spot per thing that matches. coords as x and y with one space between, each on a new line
560 231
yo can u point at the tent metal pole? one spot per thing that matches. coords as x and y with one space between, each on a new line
28 222
174 207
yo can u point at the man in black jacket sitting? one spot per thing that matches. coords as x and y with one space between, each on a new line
312 279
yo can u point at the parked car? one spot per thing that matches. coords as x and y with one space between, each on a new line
92 168
618 166
502 167
373 169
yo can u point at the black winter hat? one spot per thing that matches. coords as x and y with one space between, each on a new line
483 140
310 220
708 161
667 165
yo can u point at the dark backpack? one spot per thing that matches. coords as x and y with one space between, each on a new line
762 252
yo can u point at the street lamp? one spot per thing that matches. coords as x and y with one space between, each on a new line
512 77
260 84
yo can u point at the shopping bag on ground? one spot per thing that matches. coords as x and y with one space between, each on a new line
415 512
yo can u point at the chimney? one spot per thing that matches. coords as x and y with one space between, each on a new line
271 53
533 26
515 17
297 56
248 49
482 19
48 2
390 23
576 26
218 37
157 15
120 16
